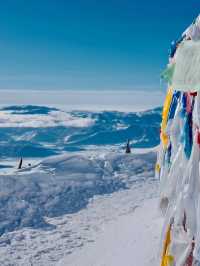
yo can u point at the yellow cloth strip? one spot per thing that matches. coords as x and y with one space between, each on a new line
166 107
167 259
157 168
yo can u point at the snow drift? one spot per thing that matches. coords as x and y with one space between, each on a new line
64 184
59 206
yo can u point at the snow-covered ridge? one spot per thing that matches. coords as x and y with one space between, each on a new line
64 184
57 207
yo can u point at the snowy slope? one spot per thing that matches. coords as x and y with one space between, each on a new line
66 202
131 239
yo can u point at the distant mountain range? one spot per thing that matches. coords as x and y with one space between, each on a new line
40 131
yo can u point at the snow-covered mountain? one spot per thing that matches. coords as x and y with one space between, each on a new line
59 204
38 131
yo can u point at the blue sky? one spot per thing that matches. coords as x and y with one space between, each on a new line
88 44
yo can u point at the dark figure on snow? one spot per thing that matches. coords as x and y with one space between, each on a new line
20 164
128 148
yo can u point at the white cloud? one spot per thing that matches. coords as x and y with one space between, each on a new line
54 118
